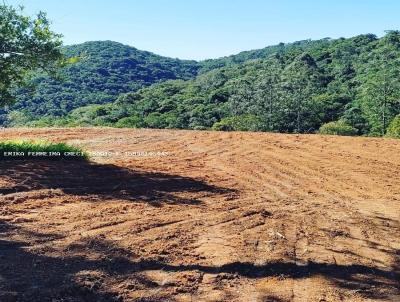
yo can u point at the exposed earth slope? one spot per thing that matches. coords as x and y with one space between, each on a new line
216 217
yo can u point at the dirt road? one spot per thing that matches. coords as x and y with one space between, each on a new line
202 216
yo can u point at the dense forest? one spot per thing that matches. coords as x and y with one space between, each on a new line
99 73
335 86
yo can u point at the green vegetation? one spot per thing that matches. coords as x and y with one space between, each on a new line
239 123
104 71
394 128
26 45
40 150
338 128
337 86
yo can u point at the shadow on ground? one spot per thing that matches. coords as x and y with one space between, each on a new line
31 275
104 181
28 276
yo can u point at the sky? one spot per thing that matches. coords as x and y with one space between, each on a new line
203 29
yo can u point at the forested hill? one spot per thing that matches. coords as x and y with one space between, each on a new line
242 57
347 86
105 70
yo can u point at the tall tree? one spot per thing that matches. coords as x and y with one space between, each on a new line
267 94
242 98
26 44
381 89
301 81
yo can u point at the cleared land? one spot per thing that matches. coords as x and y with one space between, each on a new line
217 217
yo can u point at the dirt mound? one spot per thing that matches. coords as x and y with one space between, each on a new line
162 215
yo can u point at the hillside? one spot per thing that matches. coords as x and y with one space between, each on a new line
105 70
217 217
346 86
108 69
263 53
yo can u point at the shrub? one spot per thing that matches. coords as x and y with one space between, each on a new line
200 128
155 120
42 122
18 118
130 122
96 115
239 123
223 125
394 128
40 150
338 128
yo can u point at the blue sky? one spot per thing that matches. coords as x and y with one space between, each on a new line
200 29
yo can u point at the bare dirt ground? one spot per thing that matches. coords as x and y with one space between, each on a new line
218 217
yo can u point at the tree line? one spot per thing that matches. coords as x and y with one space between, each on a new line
335 86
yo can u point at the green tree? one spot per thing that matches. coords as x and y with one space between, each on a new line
267 94
301 81
242 97
26 44
394 128
381 90
338 128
